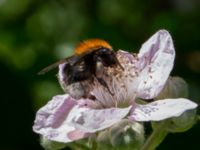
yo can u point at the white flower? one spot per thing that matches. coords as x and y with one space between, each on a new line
65 119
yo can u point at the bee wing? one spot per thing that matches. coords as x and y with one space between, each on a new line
52 66
73 60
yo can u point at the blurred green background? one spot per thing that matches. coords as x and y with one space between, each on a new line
35 33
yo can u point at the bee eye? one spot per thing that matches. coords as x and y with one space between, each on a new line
104 51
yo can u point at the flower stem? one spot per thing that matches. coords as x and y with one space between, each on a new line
157 136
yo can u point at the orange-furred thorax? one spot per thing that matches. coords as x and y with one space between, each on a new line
90 45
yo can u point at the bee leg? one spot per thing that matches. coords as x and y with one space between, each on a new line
103 83
117 61
99 73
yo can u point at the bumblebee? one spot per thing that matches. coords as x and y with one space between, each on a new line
88 62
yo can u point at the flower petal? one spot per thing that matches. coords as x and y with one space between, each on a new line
156 58
94 120
52 120
162 109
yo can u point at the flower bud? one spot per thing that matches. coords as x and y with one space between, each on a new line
181 123
51 145
175 87
125 134
103 140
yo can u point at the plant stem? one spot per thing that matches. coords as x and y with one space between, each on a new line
157 136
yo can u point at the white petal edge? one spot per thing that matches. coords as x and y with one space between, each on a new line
161 109
94 120
52 120
156 59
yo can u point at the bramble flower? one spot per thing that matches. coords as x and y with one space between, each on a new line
66 119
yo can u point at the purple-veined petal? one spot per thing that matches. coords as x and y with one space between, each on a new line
161 109
156 59
52 120
94 120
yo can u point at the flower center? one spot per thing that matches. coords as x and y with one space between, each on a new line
122 83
